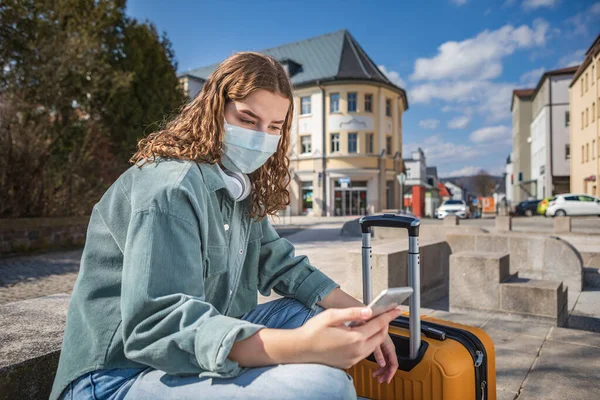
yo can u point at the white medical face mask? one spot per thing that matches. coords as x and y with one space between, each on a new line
245 150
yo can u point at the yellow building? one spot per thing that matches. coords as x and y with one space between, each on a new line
347 107
585 127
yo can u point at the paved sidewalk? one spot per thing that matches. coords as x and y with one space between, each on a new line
534 360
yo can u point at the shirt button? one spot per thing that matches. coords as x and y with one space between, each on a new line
241 251
226 226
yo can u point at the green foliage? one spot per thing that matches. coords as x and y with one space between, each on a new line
79 84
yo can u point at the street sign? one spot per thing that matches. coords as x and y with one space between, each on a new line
344 180
344 185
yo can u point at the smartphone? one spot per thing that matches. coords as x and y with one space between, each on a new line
387 300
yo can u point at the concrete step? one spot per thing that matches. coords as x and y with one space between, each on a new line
536 298
475 279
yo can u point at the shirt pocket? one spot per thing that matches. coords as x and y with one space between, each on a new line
217 257
249 276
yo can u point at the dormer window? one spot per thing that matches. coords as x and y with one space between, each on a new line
291 67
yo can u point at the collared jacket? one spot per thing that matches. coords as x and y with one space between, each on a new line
169 264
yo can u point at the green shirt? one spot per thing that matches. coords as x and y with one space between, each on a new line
170 261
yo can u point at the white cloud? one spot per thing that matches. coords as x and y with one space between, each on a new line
497 133
533 4
490 99
459 2
439 152
466 171
571 59
480 57
460 122
585 22
531 78
487 12
429 123
393 76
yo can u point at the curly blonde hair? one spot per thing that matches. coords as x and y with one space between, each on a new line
196 133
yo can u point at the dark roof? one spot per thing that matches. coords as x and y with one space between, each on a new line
520 93
589 55
555 72
431 171
329 57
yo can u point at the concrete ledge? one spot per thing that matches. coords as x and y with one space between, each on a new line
390 269
475 279
562 224
531 256
503 223
542 298
31 336
451 220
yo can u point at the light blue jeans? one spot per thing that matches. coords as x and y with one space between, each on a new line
284 381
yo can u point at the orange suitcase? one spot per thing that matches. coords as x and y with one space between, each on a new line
445 360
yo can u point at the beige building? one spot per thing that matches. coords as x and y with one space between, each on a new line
346 140
549 132
585 127
521 108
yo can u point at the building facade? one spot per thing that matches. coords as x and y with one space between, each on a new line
550 142
521 154
433 199
346 135
509 180
456 192
416 183
585 127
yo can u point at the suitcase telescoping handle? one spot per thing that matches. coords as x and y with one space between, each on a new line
414 274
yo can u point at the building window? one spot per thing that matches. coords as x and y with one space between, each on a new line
306 141
388 145
352 102
587 119
587 152
368 103
582 154
593 76
352 142
593 112
567 151
586 82
334 103
369 141
305 105
335 142
520 176
593 148
567 118
582 120
388 107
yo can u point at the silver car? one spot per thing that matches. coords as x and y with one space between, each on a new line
453 207
573 204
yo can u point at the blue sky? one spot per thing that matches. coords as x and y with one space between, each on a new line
459 60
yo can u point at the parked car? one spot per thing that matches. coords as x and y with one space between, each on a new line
573 204
527 208
453 207
543 206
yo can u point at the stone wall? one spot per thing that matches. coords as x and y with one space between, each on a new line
533 257
20 235
390 269
31 333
